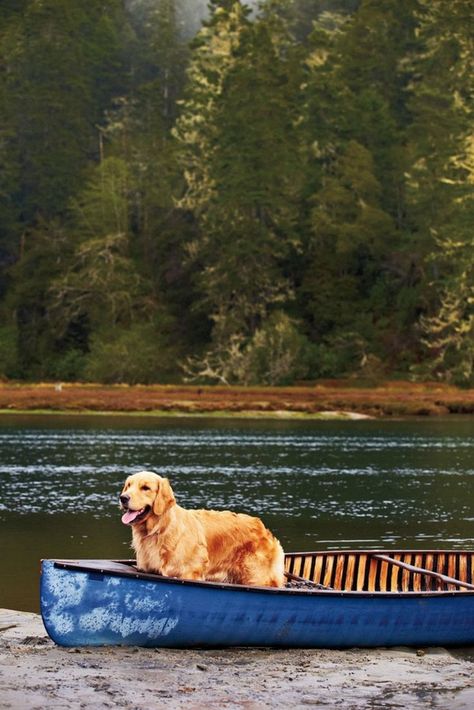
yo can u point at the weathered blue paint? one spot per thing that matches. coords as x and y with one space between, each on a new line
90 607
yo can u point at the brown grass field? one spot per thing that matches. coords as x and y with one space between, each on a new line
339 398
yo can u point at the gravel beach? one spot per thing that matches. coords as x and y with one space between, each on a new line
37 674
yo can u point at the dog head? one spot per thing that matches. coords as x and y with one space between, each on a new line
145 494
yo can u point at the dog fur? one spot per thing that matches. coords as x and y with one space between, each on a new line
197 544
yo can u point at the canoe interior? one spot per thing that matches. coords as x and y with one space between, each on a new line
359 571
344 571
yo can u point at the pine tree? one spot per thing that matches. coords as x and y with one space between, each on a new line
301 15
356 120
62 69
102 295
449 332
61 63
441 182
345 257
213 54
241 162
375 53
159 58
101 282
44 256
138 131
10 229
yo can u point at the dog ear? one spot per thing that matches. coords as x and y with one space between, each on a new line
125 485
164 497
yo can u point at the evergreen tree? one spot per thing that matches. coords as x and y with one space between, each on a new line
301 15
159 58
303 207
44 256
375 53
449 332
101 283
213 54
102 295
356 122
63 66
138 131
441 182
345 259
242 172
9 175
61 63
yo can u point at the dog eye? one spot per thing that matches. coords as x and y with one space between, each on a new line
145 488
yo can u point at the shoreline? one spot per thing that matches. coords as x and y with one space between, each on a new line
246 414
325 400
34 672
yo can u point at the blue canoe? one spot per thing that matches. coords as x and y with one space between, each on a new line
335 599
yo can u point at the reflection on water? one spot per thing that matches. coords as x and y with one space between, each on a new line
316 484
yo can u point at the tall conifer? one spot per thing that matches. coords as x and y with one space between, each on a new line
242 166
441 183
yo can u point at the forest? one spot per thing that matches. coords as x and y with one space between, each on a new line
262 193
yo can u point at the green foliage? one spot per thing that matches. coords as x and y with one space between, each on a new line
289 196
450 335
278 353
440 183
449 332
345 267
44 254
62 61
136 355
67 366
8 351
247 212
102 282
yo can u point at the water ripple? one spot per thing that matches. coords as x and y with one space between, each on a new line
344 483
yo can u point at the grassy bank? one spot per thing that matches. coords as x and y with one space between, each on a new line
326 399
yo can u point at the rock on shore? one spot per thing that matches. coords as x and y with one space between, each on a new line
35 673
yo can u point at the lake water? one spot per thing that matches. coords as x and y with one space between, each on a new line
317 485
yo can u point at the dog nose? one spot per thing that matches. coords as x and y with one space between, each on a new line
124 499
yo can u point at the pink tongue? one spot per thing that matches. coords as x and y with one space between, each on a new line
130 516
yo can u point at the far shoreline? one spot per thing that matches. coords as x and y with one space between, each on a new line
244 416
277 415
323 400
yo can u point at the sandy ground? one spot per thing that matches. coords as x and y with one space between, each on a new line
36 674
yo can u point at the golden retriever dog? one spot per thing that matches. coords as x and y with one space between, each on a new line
197 544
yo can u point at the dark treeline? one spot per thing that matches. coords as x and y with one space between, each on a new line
285 195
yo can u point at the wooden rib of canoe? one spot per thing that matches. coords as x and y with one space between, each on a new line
379 571
334 599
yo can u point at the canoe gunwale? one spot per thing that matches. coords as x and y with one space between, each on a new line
111 567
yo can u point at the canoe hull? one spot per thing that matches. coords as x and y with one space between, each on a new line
88 608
